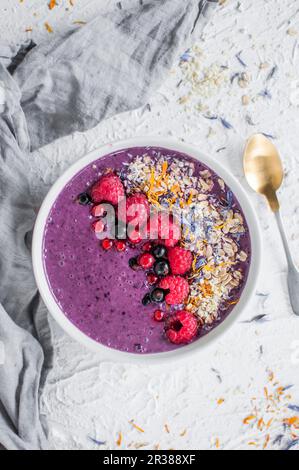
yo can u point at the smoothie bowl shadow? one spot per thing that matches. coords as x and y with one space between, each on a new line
155 299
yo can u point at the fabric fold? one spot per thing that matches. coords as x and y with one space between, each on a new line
111 65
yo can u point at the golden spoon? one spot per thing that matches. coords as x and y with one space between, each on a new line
264 173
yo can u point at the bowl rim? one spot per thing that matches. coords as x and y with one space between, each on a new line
114 355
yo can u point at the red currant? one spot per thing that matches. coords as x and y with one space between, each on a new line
146 260
98 226
159 315
97 210
135 237
152 279
120 245
147 246
107 244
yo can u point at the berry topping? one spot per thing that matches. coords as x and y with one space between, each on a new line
151 279
147 246
98 227
133 263
182 327
107 244
135 236
120 245
164 227
161 268
98 210
84 199
146 260
159 251
178 289
158 295
135 209
109 189
146 299
180 260
158 315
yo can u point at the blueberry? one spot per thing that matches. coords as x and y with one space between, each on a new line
146 299
159 251
133 263
158 295
161 268
138 347
84 199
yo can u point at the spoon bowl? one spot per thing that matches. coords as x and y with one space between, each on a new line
263 168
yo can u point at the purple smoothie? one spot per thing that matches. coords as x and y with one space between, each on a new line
97 290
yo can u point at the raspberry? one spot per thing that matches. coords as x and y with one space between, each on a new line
107 244
178 289
109 189
180 260
164 227
146 260
135 209
158 315
120 245
182 327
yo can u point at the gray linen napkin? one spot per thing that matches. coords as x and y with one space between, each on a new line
111 65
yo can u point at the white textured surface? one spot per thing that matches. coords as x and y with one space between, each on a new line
85 397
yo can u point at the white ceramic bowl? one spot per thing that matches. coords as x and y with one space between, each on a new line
57 313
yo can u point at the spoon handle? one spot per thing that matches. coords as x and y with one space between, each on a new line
293 274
